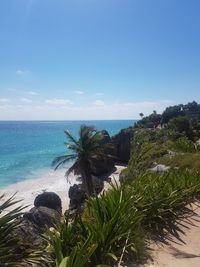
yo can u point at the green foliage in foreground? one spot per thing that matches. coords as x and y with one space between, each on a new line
12 253
120 222
105 225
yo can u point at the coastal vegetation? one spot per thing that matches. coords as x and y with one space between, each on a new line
153 199
12 249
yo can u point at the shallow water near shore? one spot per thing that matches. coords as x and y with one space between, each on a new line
27 148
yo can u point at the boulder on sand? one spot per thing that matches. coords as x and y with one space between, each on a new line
50 200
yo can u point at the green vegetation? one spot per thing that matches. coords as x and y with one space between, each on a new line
86 150
121 221
12 251
184 119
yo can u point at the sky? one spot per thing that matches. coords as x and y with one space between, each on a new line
97 59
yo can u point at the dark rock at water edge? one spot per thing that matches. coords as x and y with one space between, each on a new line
50 200
122 145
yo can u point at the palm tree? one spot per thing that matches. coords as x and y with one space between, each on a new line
88 148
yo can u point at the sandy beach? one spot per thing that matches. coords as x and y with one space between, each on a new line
177 253
52 181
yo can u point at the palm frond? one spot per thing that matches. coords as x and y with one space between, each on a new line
73 147
12 252
74 168
70 137
61 160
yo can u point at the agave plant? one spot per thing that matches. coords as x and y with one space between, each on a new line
12 253
87 149
109 223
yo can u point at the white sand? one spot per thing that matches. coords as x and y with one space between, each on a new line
176 253
52 181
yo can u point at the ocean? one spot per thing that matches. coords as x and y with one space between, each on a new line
27 148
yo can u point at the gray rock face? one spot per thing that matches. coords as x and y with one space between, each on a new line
77 192
32 225
50 200
122 144
42 217
160 168
30 234
101 167
77 195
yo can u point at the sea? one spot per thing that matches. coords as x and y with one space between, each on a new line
27 148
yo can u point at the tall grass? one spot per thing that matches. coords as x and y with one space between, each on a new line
164 197
119 222
13 253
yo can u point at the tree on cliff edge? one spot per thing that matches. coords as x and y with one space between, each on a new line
85 151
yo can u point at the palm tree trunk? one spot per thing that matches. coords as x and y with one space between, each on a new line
87 181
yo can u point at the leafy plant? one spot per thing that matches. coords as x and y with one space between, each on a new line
12 253
106 219
182 144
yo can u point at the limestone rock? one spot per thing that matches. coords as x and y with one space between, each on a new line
42 217
101 167
50 200
160 168
77 195
122 144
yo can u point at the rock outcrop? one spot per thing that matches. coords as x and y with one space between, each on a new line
76 195
42 217
77 192
50 200
35 222
122 145
101 167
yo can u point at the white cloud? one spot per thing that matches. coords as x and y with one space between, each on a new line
32 93
50 111
11 90
21 72
25 100
98 103
58 102
79 92
99 94
4 100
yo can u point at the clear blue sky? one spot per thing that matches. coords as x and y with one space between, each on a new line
97 59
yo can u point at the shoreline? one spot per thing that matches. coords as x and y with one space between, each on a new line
52 181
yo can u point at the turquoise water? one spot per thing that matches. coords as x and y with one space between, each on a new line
29 146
